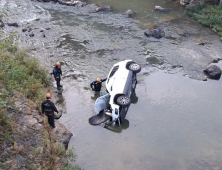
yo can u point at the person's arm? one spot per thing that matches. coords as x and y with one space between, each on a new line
92 85
61 71
54 72
53 107
102 80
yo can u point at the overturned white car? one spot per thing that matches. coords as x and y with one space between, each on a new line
121 82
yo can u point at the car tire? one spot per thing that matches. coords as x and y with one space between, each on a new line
123 100
135 68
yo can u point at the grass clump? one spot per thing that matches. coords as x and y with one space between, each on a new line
208 15
18 72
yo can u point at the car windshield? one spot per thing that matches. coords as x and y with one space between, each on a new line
113 71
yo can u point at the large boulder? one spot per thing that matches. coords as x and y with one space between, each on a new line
156 33
63 135
103 9
129 13
213 72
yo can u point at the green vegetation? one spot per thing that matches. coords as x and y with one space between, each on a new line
20 73
208 15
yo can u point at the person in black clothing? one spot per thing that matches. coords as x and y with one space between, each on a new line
97 85
57 72
49 108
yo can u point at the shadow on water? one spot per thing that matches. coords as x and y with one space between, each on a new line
119 128
134 99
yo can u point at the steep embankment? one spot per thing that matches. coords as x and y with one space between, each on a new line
26 141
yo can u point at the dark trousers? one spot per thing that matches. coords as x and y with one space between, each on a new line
58 83
51 119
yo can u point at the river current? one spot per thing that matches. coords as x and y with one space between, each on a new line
175 121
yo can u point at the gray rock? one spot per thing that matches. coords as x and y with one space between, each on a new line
216 60
213 72
13 24
46 0
156 33
24 29
129 13
79 4
161 9
1 24
184 2
102 9
31 35
62 134
74 74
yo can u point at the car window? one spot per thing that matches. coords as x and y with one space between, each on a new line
113 71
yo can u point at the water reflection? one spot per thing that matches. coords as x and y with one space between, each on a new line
118 128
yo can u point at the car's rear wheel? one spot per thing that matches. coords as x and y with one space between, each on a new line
123 100
135 67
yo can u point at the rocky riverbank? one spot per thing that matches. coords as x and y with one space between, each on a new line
26 140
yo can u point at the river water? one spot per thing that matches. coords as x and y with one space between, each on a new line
175 120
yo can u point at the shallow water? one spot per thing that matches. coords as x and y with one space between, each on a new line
174 123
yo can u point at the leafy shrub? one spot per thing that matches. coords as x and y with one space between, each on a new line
18 72
208 15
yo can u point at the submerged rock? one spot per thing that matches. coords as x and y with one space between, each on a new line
156 33
161 9
216 60
213 72
13 24
105 8
24 29
1 24
74 74
129 13
31 35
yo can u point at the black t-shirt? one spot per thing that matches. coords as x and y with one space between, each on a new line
57 72
96 86
48 107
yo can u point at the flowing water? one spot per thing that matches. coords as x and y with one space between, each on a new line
175 120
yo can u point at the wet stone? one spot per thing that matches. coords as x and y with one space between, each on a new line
156 33
1 24
13 25
216 60
24 29
129 13
213 72
161 9
31 35
103 9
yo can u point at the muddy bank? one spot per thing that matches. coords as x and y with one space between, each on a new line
32 144
26 140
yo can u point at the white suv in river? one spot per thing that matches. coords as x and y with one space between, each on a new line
120 83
